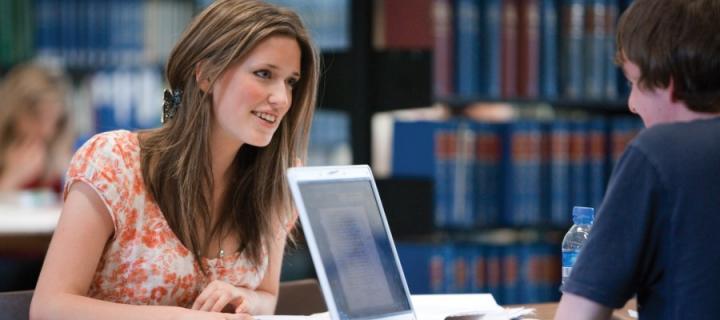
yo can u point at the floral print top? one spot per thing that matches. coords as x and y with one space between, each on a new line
144 263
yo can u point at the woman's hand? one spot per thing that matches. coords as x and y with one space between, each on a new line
24 162
218 294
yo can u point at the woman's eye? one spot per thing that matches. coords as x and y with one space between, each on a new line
263 74
293 82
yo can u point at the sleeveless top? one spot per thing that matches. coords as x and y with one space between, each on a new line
144 262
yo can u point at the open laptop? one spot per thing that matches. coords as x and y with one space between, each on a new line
350 243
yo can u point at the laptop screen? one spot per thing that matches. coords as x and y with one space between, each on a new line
356 252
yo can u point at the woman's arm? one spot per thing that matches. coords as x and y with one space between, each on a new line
219 294
267 291
75 250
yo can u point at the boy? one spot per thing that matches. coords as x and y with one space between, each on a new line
657 229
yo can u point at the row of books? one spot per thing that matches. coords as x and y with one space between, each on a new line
549 49
512 273
519 173
96 33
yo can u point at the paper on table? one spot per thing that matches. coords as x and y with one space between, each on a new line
439 306
317 316
436 307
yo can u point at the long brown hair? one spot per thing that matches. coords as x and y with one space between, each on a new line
176 157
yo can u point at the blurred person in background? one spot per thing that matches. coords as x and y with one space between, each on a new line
35 138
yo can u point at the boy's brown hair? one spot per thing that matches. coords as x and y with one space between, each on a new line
675 40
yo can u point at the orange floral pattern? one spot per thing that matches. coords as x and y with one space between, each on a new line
144 262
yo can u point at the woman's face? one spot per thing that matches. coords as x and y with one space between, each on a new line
251 98
40 121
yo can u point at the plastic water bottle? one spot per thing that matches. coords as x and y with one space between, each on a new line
575 238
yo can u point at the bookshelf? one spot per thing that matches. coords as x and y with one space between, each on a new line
501 233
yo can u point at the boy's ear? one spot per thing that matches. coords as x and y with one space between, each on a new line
202 81
671 90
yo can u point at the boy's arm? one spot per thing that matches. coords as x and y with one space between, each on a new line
578 308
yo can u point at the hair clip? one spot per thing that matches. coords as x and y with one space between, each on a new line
172 100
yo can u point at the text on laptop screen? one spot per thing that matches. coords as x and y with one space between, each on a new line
357 253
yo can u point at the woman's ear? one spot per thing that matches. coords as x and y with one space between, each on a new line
202 81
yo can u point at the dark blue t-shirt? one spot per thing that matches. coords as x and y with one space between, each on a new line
657 230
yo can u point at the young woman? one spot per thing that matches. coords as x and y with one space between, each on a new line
35 143
190 220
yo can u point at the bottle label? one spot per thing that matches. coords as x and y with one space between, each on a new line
569 257
568 260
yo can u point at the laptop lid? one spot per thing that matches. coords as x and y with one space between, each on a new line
350 242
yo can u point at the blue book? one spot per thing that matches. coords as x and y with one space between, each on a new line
478 265
47 29
461 192
462 197
549 36
595 39
137 43
612 73
461 281
116 31
597 150
573 12
511 278
68 32
559 173
413 148
468 49
492 48
487 174
446 142
549 256
532 270
94 12
493 272
523 170
578 164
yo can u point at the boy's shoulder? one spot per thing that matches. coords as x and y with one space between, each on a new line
678 137
679 130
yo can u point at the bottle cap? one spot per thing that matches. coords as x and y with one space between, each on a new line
583 215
